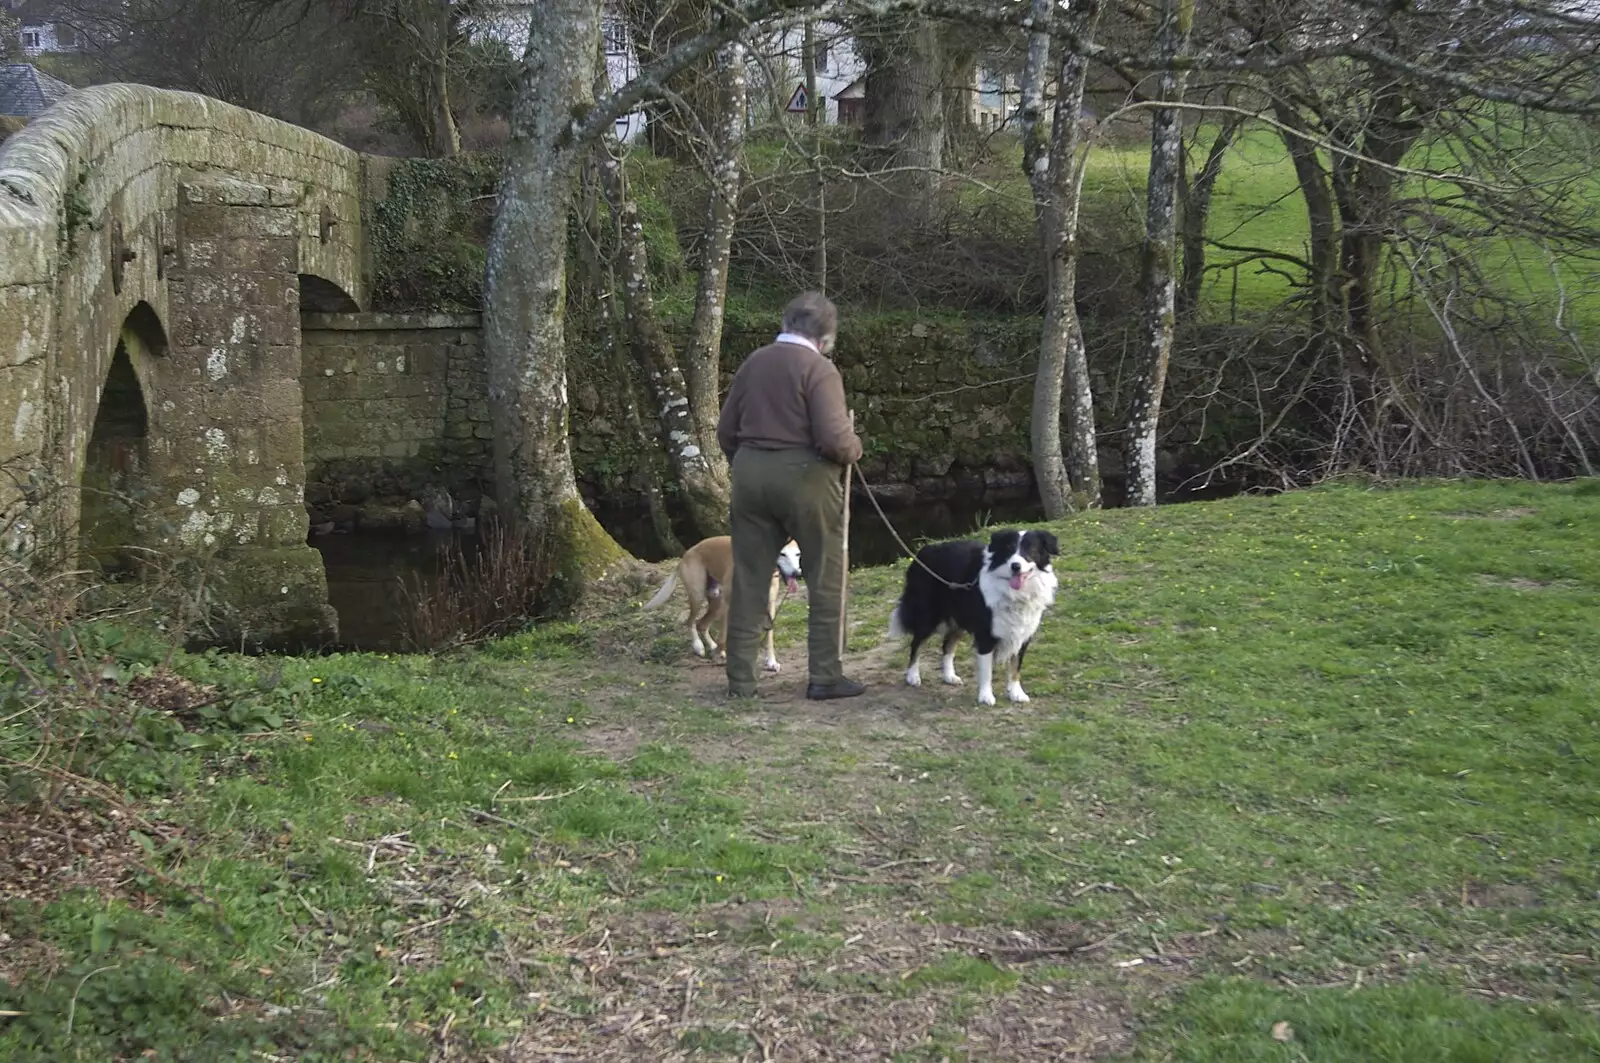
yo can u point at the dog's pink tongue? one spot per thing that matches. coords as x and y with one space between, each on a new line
794 585
1018 580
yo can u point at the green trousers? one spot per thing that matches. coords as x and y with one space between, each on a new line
780 495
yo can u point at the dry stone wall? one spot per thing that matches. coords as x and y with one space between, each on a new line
397 431
396 412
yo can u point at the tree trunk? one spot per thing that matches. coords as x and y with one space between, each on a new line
1196 212
1323 257
447 136
1364 183
646 473
1157 285
703 357
904 117
446 132
595 288
706 497
524 295
1067 481
960 79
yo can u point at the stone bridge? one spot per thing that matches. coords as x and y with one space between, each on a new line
156 252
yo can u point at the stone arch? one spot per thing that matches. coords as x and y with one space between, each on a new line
208 215
318 295
115 478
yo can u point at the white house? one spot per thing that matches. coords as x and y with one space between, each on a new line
509 25
777 70
839 68
42 31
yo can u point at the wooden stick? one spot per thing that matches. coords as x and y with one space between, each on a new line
844 557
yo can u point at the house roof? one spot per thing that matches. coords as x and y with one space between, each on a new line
856 90
35 12
26 90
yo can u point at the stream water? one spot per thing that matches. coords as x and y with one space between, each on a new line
367 570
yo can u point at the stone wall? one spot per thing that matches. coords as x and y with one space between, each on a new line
398 432
395 413
942 408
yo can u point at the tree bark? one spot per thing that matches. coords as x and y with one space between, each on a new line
904 118
961 72
705 496
1068 478
1157 284
525 295
596 288
703 356
1196 212
1312 176
1364 183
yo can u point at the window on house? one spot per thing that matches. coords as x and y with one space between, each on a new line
64 37
616 32
822 57
30 39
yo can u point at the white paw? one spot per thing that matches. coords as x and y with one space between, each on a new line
699 649
952 679
1014 692
772 665
913 677
985 697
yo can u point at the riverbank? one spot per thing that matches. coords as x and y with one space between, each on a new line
1308 773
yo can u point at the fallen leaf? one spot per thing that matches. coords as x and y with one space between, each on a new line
1282 1031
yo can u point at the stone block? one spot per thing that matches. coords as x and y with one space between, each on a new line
233 192
232 325
207 222
272 599
26 319
248 255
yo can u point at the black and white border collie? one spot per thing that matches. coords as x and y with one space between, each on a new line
1000 595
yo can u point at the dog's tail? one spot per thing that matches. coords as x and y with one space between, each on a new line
664 593
897 627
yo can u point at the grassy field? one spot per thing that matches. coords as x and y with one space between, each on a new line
1309 777
1257 204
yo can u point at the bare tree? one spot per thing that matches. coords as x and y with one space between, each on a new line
411 48
705 495
1158 287
1068 478
703 355
274 57
524 290
676 120
10 36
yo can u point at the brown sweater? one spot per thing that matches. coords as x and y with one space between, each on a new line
787 396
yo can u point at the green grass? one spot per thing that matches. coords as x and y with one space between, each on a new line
1327 759
1257 204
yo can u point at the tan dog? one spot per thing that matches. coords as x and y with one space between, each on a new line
706 572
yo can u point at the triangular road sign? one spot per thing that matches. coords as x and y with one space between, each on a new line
798 102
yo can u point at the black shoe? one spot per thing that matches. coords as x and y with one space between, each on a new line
839 688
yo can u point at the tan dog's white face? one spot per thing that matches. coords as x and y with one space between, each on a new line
789 565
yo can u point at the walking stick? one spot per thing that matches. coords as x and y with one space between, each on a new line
844 555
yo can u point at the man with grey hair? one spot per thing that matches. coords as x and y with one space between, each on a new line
786 431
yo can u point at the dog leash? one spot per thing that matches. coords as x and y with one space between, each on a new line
887 523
